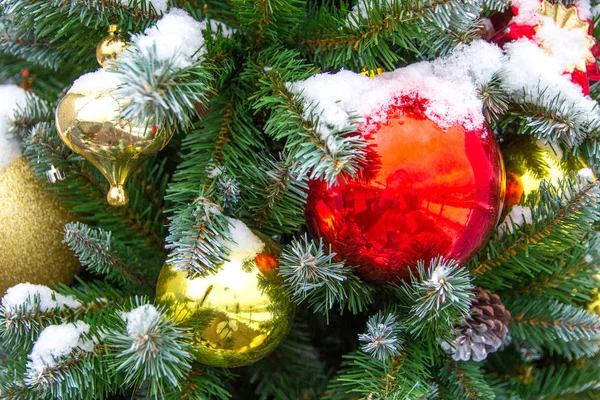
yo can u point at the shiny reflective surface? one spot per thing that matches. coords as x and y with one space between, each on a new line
89 125
425 192
238 316
110 47
522 182
514 190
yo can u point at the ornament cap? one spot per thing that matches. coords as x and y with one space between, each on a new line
117 196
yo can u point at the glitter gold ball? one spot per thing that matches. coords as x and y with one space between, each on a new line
238 315
31 231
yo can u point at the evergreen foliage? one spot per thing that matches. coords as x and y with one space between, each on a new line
245 148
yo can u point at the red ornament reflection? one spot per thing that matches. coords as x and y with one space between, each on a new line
424 192
514 190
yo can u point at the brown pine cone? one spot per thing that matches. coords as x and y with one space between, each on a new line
483 331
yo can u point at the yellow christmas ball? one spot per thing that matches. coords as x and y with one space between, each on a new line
518 185
238 315
31 231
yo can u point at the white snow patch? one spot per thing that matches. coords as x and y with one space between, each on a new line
219 27
56 342
141 320
518 216
531 68
584 9
177 37
449 86
101 80
528 12
440 272
12 98
159 5
360 11
244 244
214 170
24 293
586 173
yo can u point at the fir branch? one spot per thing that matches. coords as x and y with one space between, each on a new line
495 98
562 221
70 375
269 20
403 377
464 381
570 282
30 30
93 247
382 337
312 153
439 297
561 328
569 381
194 237
552 119
33 116
228 190
162 95
32 50
146 347
311 275
12 384
293 370
137 14
20 326
202 382
276 203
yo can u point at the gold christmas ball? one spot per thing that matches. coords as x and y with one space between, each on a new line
88 122
31 231
110 47
238 315
520 182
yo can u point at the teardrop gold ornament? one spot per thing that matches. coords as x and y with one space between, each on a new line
88 122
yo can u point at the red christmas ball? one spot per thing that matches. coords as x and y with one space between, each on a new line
424 192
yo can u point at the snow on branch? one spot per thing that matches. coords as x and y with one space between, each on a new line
382 337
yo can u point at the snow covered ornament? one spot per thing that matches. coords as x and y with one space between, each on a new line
433 182
563 32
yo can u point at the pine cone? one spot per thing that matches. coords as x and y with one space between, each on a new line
483 331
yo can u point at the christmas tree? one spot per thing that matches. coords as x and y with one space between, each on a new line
299 199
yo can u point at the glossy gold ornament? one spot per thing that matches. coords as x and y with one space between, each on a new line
567 18
520 184
31 231
89 124
110 47
238 315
